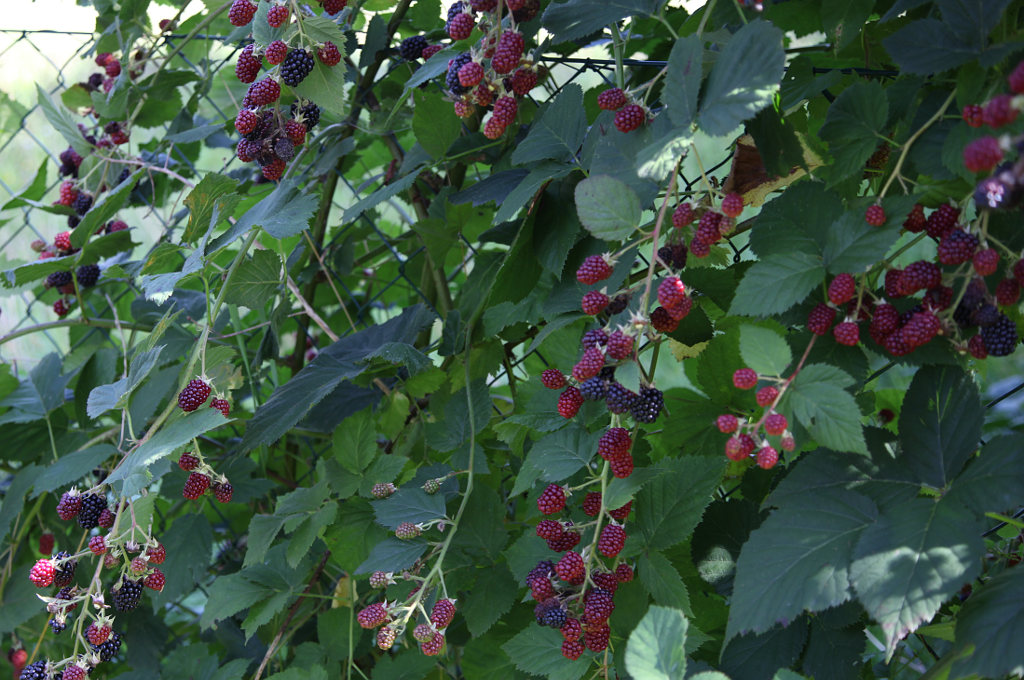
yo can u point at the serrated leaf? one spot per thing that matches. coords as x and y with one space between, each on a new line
408 505
256 281
777 282
214 192
758 657
558 132
662 581
72 467
379 196
622 489
557 456
434 123
494 593
852 122
103 209
992 620
62 121
852 245
798 560
306 534
607 207
579 18
828 411
913 559
940 423
538 651
657 646
992 481
764 350
744 79
671 505
41 392
229 595
263 529
793 221
843 21
355 441
682 79
928 46
392 554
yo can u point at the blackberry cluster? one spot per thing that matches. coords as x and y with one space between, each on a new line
35 671
296 66
648 405
89 514
126 596
620 399
1000 337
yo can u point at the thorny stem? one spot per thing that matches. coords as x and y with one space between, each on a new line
913 138
656 235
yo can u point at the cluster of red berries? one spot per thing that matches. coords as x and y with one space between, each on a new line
393 617
629 115
86 276
202 480
575 594
195 394
269 136
712 225
750 437
494 72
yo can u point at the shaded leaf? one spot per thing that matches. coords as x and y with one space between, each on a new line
656 648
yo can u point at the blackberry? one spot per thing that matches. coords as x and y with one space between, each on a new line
957 247
195 486
597 606
921 275
296 66
87 275
727 423
605 580
310 113
551 500
248 65
648 405
820 319
620 399
452 78
595 268
973 296
284 149
594 338
92 506
999 111
596 638
266 91
277 15
1007 292
612 540
550 613
594 302
593 389
614 443
276 52
842 289
410 49
552 379
526 11
193 396
188 462
620 345
982 154
241 12
985 315
126 597
442 613
630 117
875 215
1000 338
82 203
69 504
35 671
976 346
612 99
65 572
766 395
223 492
942 221
619 303
221 405
58 626
567 541
775 423
109 649
460 26
682 215
592 504
522 81
571 567
569 402
572 649
58 279
662 321
915 221
508 52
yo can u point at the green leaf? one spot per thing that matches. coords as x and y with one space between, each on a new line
662 581
558 132
229 595
853 120
853 246
306 534
764 350
336 363
798 560
993 480
744 79
63 122
40 393
557 456
355 442
285 212
940 423
256 281
133 472
913 559
656 648
828 411
20 598
928 46
189 542
579 18
607 207
794 220
843 21
521 195
326 85
386 192
494 593
758 657
682 79
538 651
392 554
992 620
833 653
777 282
214 192
408 505
14 496
621 489
105 207
434 123
671 505
263 529
323 29
72 467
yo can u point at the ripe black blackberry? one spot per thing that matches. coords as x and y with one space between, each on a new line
620 399
193 396
35 671
410 49
82 203
92 506
553 616
451 80
65 573
648 405
284 149
58 626
296 66
126 597
110 648
309 112
88 275
618 303
58 279
1001 337
594 389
